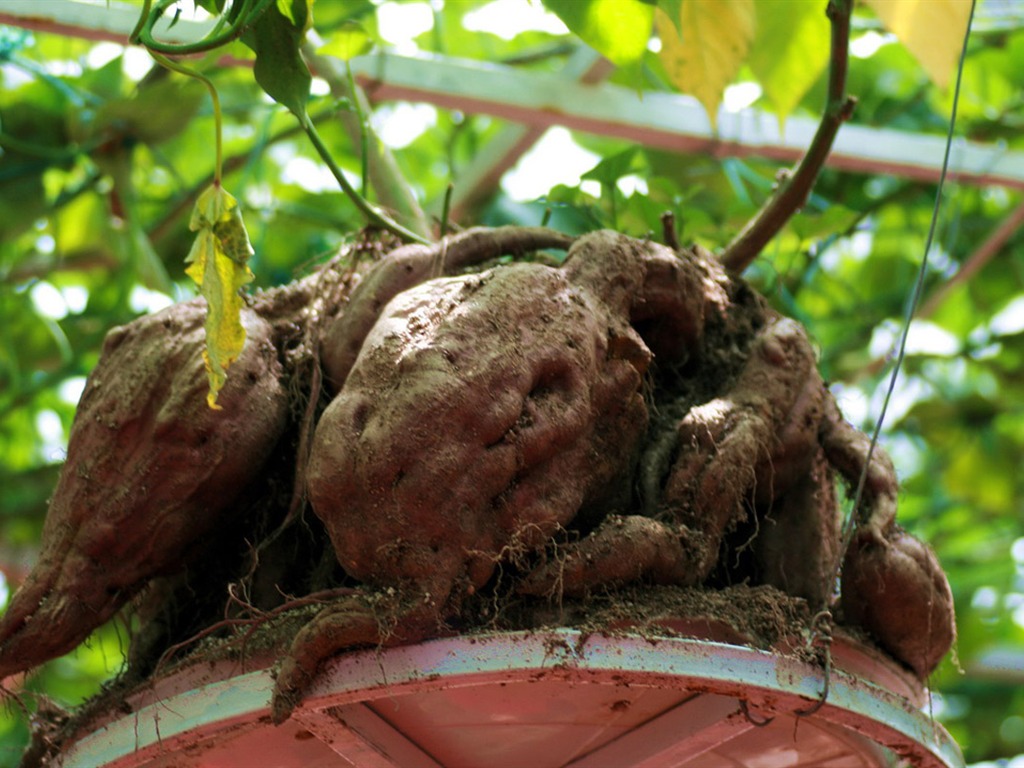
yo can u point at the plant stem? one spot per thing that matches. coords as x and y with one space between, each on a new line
217 116
392 190
374 216
792 193
184 202
250 10
447 209
364 154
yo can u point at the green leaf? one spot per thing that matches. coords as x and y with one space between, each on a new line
214 7
349 41
836 218
713 44
618 29
613 168
217 263
34 133
298 12
279 67
790 51
671 9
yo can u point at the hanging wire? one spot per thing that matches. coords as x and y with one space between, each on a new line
821 632
915 297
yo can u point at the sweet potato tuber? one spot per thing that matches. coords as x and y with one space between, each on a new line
407 267
479 420
482 412
150 469
480 416
895 589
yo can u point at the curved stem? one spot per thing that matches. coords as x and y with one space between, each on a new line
217 118
184 201
391 188
793 192
375 217
447 209
147 6
363 132
143 34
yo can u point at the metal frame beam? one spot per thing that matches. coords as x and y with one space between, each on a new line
665 120
95 20
672 121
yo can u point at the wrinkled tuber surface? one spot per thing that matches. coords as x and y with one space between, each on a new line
757 444
407 267
506 381
481 415
486 415
150 469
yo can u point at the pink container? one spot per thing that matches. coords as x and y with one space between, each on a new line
541 699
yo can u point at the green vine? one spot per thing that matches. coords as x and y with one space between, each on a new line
279 69
218 120
363 130
240 18
373 215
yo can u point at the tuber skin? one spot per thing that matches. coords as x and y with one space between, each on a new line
756 445
892 584
750 446
482 413
485 414
768 449
894 588
407 267
624 549
150 469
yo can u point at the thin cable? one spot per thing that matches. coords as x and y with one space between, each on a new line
918 286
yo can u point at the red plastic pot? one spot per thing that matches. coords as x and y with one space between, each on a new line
541 699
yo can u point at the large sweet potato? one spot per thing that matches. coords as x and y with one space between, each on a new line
481 414
150 469
407 267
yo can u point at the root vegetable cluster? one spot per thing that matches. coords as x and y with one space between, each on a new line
528 430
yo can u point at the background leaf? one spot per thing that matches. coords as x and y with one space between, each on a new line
708 51
787 55
618 29
932 30
279 67
348 41
153 113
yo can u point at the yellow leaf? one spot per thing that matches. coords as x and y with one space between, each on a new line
618 29
217 263
234 240
932 30
705 55
790 51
